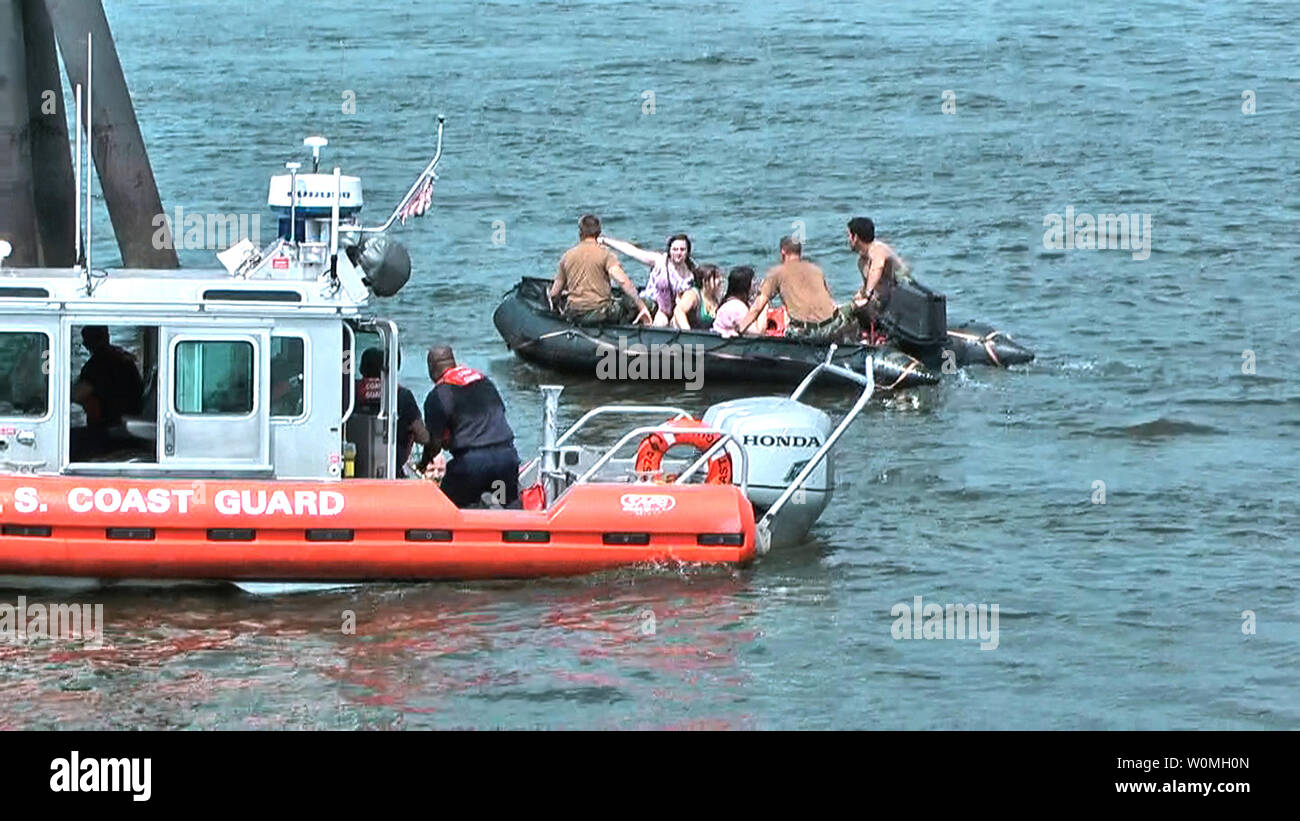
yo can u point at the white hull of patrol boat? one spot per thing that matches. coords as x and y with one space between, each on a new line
286 588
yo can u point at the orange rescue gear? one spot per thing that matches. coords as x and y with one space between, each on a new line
650 455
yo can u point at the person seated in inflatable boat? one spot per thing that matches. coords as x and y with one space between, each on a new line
812 312
696 308
735 304
584 273
672 272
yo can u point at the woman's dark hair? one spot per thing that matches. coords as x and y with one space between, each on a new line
703 272
668 247
739 283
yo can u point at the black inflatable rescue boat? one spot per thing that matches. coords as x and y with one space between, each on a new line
538 334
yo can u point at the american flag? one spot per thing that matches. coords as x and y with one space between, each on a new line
419 201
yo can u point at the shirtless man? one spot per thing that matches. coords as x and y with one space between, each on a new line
808 303
585 271
879 265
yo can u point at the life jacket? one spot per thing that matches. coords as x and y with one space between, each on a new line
777 322
370 390
460 376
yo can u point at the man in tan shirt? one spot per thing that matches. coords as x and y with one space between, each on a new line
807 298
585 271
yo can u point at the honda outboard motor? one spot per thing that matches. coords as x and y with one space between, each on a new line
780 436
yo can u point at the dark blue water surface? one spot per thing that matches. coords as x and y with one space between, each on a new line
768 116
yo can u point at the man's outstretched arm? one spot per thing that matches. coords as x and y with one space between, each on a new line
754 310
641 255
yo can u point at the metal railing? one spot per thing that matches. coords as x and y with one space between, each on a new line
429 171
549 469
723 438
678 413
868 381
549 472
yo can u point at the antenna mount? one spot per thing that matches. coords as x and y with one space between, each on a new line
315 144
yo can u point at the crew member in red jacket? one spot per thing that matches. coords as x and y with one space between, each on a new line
465 415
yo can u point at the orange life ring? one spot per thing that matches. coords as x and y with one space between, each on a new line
650 454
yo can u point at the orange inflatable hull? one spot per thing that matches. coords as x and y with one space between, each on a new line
357 530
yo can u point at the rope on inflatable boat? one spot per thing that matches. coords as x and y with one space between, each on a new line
987 341
566 332
911 366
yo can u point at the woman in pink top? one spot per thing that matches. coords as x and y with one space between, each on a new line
672 271
735 305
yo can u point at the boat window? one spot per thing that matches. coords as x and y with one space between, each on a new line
288 376
114 391
214 377
25 383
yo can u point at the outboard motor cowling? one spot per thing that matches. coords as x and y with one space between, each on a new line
916 316
780 436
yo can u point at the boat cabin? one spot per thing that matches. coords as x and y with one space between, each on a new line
272 366
239 377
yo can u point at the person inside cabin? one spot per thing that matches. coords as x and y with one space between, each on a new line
286 386
410 426
672 272
108 388
584 273
464 414
735 303
811 311
370 387
880 266
696 308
